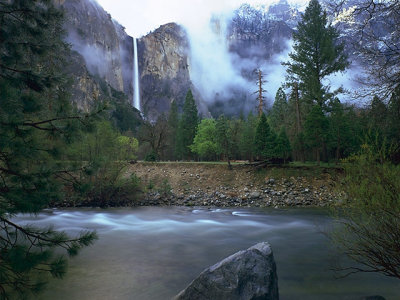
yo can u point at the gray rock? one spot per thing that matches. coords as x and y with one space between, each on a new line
247 274
255 195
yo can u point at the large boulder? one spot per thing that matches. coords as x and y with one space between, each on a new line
247 274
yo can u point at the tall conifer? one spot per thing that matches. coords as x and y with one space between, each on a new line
317 54
187 126
35 126
279 111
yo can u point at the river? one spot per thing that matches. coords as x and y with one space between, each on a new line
153 253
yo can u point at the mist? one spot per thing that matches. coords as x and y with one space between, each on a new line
212 67
222 75
140 17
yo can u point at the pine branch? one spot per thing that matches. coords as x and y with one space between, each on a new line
66 243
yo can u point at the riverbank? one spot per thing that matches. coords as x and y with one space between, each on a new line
202 184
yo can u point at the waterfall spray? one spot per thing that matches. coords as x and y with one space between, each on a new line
136 96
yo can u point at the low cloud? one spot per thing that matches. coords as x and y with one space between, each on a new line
220 74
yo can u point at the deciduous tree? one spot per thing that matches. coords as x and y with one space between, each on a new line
204 143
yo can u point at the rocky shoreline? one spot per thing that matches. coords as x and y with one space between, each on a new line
273 194
213 185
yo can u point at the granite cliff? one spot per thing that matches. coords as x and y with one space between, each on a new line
100 56
164 70
102 62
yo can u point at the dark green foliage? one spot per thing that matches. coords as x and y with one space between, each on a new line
283 148
187 126
394 116
126 117
265 139
370 223
223 137
152 156
37 125
343 136
104 154
279 112
27 257
299 146
315 129
247 138
235 132
316 55
377 116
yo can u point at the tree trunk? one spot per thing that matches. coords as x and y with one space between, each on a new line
298 121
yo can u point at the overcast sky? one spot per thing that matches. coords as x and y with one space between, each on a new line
141 16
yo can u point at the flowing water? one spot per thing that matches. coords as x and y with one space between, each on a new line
136 95
153 253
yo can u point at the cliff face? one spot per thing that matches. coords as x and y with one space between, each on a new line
255 34
164 70
86 91
262 44
106 56
92 33
102 53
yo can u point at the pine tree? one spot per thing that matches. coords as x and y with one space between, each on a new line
236 127
316 54
316 127
187 126
246 143
36 127
394 124
283 148
339 129
265 140
279 112
296 112
223 138
377 116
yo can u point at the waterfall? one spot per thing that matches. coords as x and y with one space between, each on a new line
136 96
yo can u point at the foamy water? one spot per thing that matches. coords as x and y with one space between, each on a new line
153 253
